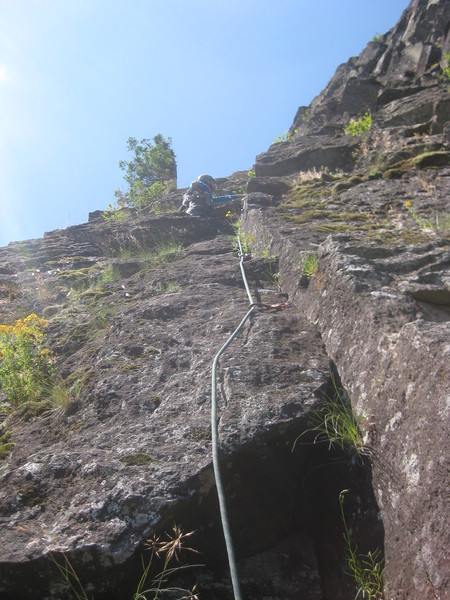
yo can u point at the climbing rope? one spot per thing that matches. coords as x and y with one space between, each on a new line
215 431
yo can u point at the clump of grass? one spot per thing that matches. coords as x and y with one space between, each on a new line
167 547
63 396
335 424
170 287
310 264
311 174
110 274
6 446
164 252
70 576
366 569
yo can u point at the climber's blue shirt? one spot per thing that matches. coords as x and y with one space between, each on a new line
199 201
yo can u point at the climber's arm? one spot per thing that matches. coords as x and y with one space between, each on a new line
222 200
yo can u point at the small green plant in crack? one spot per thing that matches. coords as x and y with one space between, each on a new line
366 569
310 264
441 221
444 74
246 239
170 287
164 252
6 446
168 549
273 273
115 212
335 424
360 126
110 274
70 576
63 395
287 136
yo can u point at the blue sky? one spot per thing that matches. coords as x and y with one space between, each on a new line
222 78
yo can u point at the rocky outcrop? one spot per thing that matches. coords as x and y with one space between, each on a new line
138 308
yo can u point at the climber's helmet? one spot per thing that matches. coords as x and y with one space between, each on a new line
208 180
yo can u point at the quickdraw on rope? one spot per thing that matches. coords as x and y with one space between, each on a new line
254 306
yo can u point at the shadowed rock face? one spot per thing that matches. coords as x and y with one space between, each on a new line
137 310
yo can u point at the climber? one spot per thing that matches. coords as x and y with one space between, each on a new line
199 201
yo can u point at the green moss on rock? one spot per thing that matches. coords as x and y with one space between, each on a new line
137 459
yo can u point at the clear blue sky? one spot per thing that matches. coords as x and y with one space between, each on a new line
221 77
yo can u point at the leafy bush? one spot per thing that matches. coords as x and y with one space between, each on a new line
26 364
359 126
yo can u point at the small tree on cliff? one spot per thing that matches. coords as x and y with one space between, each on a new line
151 172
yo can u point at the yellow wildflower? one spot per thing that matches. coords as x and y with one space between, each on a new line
408 203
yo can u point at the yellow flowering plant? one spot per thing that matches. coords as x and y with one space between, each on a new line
26 364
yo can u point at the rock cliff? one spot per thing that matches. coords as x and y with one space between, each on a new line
346 241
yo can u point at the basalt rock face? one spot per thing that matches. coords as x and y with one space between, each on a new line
138 308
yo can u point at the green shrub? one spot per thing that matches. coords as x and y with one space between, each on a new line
26 364
359 126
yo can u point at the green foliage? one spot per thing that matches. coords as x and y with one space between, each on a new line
445 75
246 239
287 136
110 274
26 364
251 174
6 446
335 424
164 252
310 264
306 116
151 172
360 126
114 212
366 569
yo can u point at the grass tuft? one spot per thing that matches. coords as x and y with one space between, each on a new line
366 569
335 424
